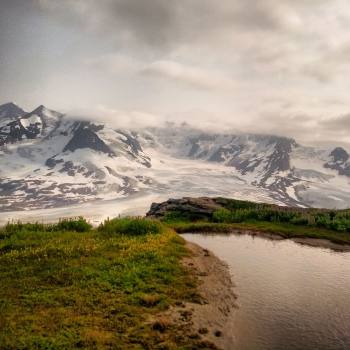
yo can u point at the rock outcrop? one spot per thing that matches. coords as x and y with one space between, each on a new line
194 208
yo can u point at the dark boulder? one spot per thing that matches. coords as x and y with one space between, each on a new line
187 207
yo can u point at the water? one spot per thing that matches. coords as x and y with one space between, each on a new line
290 296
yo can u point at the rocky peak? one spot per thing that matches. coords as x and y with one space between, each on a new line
11 110
339 155
339 161
85 136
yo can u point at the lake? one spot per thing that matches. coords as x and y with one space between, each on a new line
290 296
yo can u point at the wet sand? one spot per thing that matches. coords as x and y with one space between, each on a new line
210 319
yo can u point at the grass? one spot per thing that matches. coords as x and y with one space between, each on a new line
96 289
134 227
282 229
287 222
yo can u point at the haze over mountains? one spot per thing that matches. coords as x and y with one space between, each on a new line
51 160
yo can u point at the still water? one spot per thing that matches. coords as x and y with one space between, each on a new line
290 296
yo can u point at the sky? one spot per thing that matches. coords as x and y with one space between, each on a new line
263 66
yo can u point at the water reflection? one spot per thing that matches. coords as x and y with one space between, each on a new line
290 296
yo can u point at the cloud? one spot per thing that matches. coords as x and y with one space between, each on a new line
189 75
264 66
337 124
113 63
130 119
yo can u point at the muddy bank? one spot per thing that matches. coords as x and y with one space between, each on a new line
322 243
312 242
209 320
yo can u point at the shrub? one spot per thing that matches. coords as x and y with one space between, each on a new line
299 220
132 226
177 215
232 204
77 225
222 215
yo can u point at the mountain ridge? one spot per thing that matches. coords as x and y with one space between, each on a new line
51 160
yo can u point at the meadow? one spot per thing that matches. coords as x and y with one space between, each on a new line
69 286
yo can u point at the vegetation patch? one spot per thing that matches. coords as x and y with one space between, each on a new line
72 224
69 288
132 226
287 222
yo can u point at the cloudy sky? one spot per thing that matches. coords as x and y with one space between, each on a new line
269 66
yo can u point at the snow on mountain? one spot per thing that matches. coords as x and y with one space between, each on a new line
50 160
67 162
291 173
16 125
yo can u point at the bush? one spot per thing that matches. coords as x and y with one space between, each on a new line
232 204
177 215
299 220
131 226
77 225
222 215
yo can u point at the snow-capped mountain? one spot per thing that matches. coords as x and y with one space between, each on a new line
50 160
17 125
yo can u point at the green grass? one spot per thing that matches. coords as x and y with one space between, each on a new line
97 289
77 225
285 230
134 227
287 222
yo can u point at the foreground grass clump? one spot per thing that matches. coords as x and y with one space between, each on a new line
95 290
131 226
72 224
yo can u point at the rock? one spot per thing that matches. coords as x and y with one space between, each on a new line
187 207
218 333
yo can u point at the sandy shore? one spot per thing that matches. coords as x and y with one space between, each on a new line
209 320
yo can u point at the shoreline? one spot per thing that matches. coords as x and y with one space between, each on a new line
311 242
210 319
275 236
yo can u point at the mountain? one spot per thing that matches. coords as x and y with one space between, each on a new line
17 125
286 171
51 160
11 110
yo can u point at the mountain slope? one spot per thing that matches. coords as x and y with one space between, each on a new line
291 173
66 162
49 160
